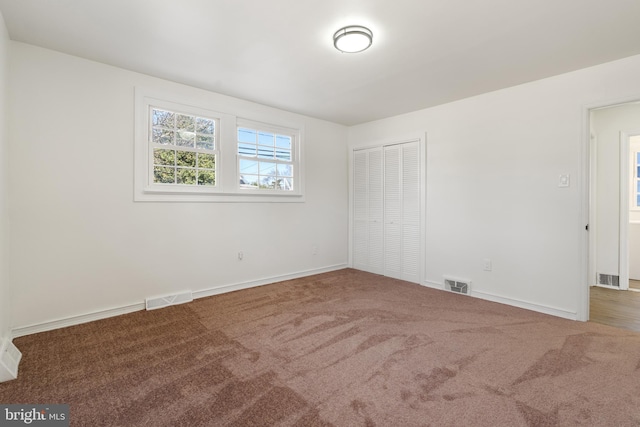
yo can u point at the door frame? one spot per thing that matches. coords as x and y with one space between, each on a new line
588 214
625 189
625 203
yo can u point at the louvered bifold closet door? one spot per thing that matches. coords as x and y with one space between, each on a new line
367 210
393 211
360 210
411 212
386 210
376 212
402 211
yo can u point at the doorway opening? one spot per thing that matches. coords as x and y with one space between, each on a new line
614 215
633 197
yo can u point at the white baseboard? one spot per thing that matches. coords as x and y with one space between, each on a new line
434 285
75 320
117 311
253 283
553 311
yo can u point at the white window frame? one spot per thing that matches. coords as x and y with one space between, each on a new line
227 188
294 134
634 150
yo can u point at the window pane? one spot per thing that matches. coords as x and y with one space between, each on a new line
205 142
248 180
638 172
185 138
283 141
246 135
247 150
248 166
283 154
163 118
164 175
184 122
285 184
206 177
205 126
285 170
186 158
162 136
267 182
206 161
267 168
186 176
638 200
638 187
164 157
265 138
265 152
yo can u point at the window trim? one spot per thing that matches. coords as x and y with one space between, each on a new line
227 188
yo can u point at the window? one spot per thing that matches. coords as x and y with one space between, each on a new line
187 151
183 148
266 158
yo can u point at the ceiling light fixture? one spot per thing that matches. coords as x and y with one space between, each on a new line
352 39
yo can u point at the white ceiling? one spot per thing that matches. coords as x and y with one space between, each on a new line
280 52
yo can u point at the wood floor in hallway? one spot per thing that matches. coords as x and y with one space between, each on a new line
615 308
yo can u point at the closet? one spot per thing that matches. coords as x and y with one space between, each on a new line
387 210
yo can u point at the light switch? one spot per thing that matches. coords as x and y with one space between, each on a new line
564 180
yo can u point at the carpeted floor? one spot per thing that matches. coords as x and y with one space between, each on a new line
345 348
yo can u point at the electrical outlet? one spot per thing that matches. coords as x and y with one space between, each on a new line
240 256
314 250
564 180
486 264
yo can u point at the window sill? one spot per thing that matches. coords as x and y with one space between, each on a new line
153 195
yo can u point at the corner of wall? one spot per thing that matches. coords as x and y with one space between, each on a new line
9 354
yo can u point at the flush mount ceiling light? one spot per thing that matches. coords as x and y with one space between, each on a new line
352 39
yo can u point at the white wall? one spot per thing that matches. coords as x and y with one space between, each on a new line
608 123
4 230
82 245
493 166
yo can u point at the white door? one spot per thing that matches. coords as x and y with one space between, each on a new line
393 211
367 211
386 210
402 211
411 212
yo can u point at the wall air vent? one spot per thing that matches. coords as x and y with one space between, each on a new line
9 360
458 286
166 301
609 280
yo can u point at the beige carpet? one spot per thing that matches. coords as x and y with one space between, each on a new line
346 349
